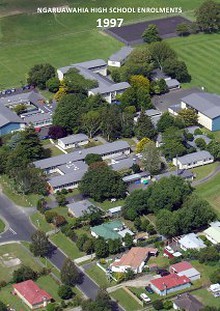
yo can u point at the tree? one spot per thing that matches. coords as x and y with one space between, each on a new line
139 81
59 221
69 273
157 304
77 83
92 158
102 183
160 52
214 148
20 108
60 93
215 276
165 122
114 246
176 69
111 122
88 246
101 248
3 306
151 34
128 240
53 84
91 122
173 143
166 223
40 245
208 255
189 116
24 273
207 16
144 127
200 143
127 124
138 97
69 111
57 131
116 75
61 199
183 29
163 88
142 144
40 74
65 292
151 159
50 215
135 168
81 241
136 202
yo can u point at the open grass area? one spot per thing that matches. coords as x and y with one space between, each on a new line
2 225
13 301
127 301
205 270
206 297
203 171
12 256
210 191
50 285
18 199
39 221
201 54
54 151
99 276
69 37
66 245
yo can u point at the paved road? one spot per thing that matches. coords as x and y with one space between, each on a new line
19 228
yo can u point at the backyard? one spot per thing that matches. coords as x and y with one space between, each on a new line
126 300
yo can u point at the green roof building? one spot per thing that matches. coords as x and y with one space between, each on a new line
108 230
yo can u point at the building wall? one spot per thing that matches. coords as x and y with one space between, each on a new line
191 165
114 63
32 307
10 127
68 146
101 71
216 124
205 121
211 239
60 75
170 290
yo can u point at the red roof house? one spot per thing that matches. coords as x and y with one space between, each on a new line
185 268
170 283
31 294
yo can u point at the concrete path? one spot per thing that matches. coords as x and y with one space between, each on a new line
84 258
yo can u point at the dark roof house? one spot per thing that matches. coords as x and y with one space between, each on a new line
187 302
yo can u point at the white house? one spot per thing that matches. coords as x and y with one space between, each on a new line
73 141
213 232
194 159
191 241
119 58
134 260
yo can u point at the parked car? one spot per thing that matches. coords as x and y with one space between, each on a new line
163 272
149 289
144 297
169 249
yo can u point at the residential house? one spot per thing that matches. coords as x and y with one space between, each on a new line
158 74
110 230
169 284
185 268
213 232
80 208
185 174
118 59
134 260
194 159
31 294
138 178
191 241
187 302
153 114
215 289
115 211
73 141
207 107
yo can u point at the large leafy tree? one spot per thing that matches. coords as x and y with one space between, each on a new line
161 51
57 131
151 34
136 204
69 273
144 127
24 273
40 245
189 116
138 97
40 74
76 83
176 69
166 223
173 143
139 81
102 183
53 84
208 16
151 158
91 122
165 122
101 248
111 122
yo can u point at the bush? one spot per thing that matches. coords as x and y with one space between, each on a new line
197 132
65 292
50 216
23 273
59 220
3 283
167 305
157 304
64 191
3 306
215 276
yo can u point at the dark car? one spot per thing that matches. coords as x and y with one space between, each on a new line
149 289
163 272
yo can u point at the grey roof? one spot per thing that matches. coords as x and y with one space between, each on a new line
191 129
188 302
122 54
72 139
73 167
134 177
152 112
185 174
8 116
158 74
206 103
22 98
122 164
87 65
38 117
80 155
172 83
80 208
176 108
114 87
65 180
189 273
193 143
195 156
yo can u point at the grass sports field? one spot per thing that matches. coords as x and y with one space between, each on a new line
27 38
201 54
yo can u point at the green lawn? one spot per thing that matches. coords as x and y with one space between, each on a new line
39 221
205 170
14 251
49 284
66 245
126 300
2 225
69 37
201 54
54 151
22 200
206 298
205 270
99 276
14 301
211 192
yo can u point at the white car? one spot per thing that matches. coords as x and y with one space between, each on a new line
145 298
169 249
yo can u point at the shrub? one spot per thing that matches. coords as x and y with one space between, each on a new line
167 305
157 304
50 215
197 132
65 292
